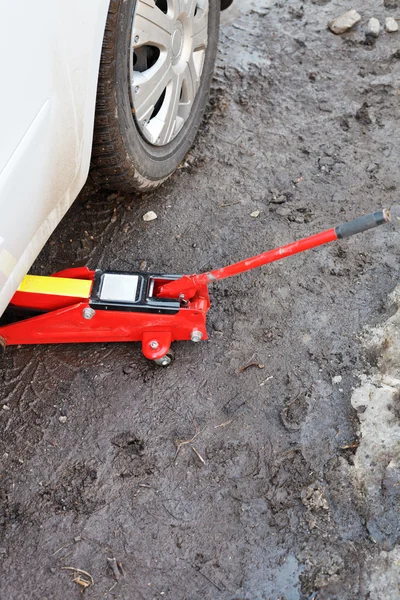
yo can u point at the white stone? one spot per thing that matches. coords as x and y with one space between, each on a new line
149 216
373 27
391 25
344 22
62 419
337 379
255 214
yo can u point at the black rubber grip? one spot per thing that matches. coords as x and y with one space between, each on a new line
363 224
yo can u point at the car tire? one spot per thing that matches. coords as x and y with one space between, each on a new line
125 156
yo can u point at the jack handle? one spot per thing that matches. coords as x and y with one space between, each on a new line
187 286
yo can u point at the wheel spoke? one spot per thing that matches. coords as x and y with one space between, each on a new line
191 78
172 105
148 87
200 29
191 7
151 26
176 7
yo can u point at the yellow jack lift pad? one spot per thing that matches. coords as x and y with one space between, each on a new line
56 286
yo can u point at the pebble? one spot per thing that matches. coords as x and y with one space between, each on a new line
283 212
149 216
255 214
391 25
218 326
278 199
6 407
344 22
337 379
373 27
326 161
62 419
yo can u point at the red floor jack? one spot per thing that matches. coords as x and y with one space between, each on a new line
79 305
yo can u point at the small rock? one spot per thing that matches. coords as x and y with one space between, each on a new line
283 212
6 407
324 106
391 25
344 22
326 161
337 379
362 115
255 214
218 326
281 199
373 27
149 216
62 419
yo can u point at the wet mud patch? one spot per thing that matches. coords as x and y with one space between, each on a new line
130 458
233 460
76 491
274 511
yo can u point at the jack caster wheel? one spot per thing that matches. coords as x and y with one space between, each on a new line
164 361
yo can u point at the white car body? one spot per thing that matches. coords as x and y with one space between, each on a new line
50 52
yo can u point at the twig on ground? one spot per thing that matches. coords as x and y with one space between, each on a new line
59 550
198 455
265 380
251 364
119 565
114 567
78 579
230 204
347 446
180 443
223 424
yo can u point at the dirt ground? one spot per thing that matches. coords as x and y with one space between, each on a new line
285 503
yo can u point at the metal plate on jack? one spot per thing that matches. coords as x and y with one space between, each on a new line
119 288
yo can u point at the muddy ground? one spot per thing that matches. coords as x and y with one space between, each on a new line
303 126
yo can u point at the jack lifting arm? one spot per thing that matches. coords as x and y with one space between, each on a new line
186 287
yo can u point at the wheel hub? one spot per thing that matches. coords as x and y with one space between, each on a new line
168 45
177 41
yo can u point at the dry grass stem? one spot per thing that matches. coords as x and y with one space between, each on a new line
265 380
180 443
347 446
82 581
251 364
223 424
198 455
